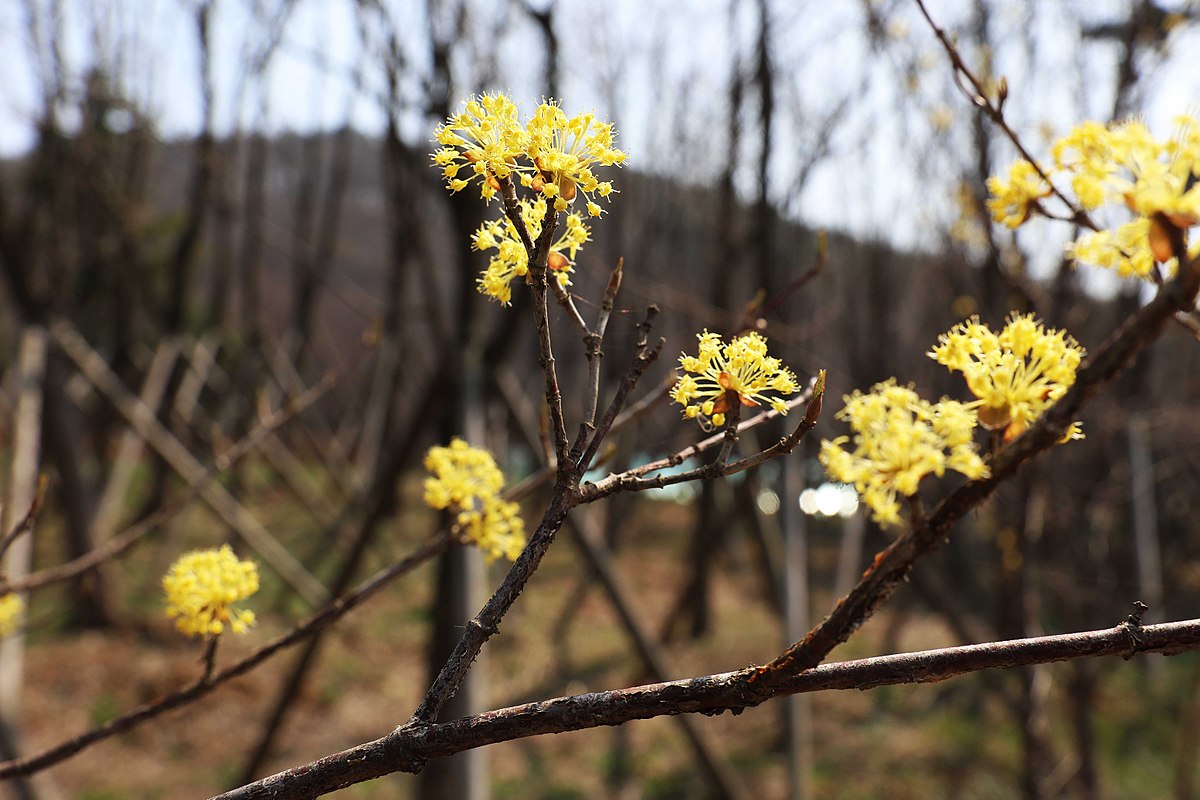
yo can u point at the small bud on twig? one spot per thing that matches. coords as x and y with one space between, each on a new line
813 412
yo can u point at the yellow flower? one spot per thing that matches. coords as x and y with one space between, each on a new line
511 260
564 150
741 367
900 438
12 607
1087 154
1016 374
484 139
201 588
467 480
1125 166
1013 200
1125 249
495 527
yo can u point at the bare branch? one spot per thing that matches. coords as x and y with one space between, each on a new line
644 357
893 564
94 368
134 533
632 480
408 748
594 341
210 680
567 302
486 623
25 525
994 109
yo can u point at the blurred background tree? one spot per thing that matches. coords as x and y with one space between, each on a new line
229 199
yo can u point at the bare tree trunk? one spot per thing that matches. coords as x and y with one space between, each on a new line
62 428
763 234
1082 690
1187 753
1145 522
707 536
183 257
250 251
129 449
27 424
797 621
850 552
1017 619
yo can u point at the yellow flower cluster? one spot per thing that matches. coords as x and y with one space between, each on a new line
486 137
12 607
201 588
467 480
741 367
900 438
1014 199
512 260
553 154
1125 166
1016 374
565 149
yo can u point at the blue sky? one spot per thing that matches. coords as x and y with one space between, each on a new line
659 69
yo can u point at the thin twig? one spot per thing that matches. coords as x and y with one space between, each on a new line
134 533
633 480
995 111
764 310
567 302
209 659
1189 321
594 341
512 209
644 356
209 681
892 565
538 282
29 520
647 402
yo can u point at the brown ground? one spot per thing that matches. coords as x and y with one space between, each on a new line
934 741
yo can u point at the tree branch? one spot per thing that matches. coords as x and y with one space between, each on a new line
892 565
632 480
407 748
210 680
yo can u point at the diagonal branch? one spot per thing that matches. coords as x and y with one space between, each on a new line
994 109
210 680
227 507
138 530
408 748
892 565
632 480
486 623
